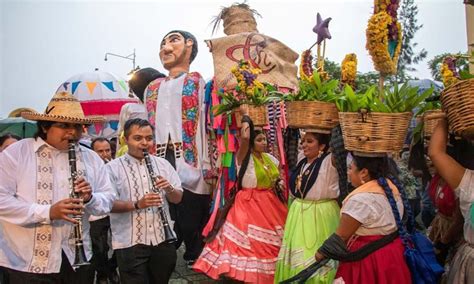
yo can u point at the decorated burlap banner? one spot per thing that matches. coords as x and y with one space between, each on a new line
275 59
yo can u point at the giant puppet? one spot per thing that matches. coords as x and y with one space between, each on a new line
175 108
277 64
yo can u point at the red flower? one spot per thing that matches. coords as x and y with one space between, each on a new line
189 128
189 102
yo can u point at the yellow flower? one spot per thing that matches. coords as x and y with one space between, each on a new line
377 43
258 85
349 69
447 75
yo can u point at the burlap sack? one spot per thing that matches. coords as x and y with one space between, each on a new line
276 60
237 19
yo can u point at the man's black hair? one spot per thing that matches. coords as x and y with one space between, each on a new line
141 79
135 121
41 127
6 136
99 139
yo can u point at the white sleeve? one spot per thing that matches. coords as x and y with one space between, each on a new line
12 209
203 137
358 208
332 176
465 192
170 174
103 195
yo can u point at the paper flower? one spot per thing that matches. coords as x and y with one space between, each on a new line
349 70
383 50
448 71
322 29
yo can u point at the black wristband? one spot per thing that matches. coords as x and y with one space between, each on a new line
135 205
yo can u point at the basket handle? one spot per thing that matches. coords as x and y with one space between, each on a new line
363 138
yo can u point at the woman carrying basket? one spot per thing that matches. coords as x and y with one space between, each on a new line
462 181
314 213
245 246
366 217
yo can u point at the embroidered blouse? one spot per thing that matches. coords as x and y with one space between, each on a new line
130 179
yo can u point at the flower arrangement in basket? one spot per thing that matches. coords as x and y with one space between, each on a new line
312 106
248 91
458 98
428 115
377 122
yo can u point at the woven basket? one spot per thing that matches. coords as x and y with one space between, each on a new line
430 120
312 114
458 104
374 133
258 115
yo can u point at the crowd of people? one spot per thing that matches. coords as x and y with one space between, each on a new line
270 227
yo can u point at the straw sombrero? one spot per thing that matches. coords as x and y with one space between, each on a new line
63 107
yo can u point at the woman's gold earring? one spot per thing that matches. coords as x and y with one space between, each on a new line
320 153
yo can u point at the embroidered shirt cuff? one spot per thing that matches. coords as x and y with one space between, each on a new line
41 212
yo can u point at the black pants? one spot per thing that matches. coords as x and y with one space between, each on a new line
146 264
100 261
191 215
66 275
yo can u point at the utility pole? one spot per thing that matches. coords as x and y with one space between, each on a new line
470 32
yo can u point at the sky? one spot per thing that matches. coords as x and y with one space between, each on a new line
43 43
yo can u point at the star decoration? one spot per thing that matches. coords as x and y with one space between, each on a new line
322 29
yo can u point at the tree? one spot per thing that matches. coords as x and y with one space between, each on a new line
435 64
333 69
408 56
363 81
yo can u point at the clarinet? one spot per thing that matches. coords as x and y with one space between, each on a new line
170 236
80 256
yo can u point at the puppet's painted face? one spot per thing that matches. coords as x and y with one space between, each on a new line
175 50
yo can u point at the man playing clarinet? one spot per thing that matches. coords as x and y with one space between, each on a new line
43 231
142 233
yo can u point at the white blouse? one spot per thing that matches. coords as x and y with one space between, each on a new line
374 213
465 193
326 185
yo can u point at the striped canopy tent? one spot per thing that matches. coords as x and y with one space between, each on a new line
100 93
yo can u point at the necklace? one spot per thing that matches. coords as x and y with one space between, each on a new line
304 171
